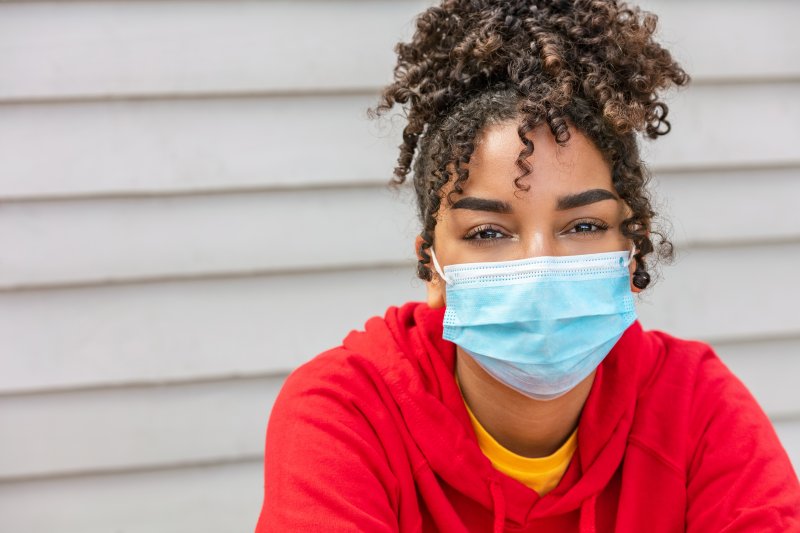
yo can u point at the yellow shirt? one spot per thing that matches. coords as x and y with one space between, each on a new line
541 474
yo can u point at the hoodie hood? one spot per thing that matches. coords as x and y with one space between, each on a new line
418 367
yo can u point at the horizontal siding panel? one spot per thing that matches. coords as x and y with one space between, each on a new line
82 241
178 330
264 142
206 328
93 49
706 37
134 427
195 500
768 368
729 126
90 241
789 433
726 293
729 206
189 145
146 427
101 49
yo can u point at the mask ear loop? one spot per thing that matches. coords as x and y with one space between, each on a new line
437 267
634 251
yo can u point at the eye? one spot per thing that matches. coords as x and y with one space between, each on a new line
588 226
485 233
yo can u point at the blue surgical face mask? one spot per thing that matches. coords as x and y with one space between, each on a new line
539 325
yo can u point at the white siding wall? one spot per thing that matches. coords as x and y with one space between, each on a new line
193 204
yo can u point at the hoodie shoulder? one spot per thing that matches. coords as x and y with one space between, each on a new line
325 466
338 451
364 358
738 476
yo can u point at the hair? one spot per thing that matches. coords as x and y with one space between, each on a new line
591 64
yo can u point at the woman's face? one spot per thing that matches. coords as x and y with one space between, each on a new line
570 208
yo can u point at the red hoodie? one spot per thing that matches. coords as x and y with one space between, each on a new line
374 436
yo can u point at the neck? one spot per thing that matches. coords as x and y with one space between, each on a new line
523 425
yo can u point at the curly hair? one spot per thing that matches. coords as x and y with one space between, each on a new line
591 64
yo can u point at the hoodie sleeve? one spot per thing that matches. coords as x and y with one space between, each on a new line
740 478
325 469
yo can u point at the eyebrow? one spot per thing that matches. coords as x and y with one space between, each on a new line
569 201
580 199
482 204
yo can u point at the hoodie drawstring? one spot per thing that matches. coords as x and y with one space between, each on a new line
587 521
499 506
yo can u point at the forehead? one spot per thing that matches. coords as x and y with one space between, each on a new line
555 170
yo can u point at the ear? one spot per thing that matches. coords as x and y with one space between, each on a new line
435 287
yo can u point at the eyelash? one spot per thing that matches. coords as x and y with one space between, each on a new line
473 238
601 226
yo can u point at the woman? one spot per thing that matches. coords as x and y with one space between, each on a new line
524 395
